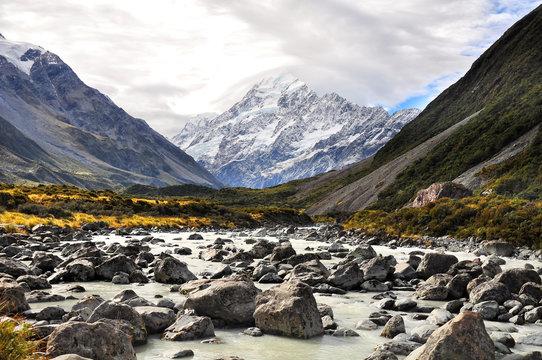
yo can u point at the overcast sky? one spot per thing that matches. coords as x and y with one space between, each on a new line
166 60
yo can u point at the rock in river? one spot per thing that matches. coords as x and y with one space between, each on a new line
288 309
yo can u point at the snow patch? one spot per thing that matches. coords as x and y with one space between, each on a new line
13 51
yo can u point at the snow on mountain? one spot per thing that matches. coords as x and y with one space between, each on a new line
281 130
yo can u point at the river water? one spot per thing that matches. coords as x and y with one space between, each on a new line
348 309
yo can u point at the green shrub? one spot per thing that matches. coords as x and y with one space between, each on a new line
16 340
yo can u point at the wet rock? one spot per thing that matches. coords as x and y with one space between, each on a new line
491 290
13 267
288 309
12 297
364 252
498 248
382 355
34 282
488 310
80 270
50 313
439 317
435 263
347 276
312 272
118 263
394 326
121 312
282 252
253 331
231 300
532 289
464 337
189 328
169 270
378 268
96 341
398 347
182 354
515 278
156 318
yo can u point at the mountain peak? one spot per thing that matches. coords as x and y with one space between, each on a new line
20 54
278 84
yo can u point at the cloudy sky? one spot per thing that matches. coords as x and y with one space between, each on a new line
167 60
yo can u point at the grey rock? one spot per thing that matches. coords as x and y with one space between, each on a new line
394 326
189 328
172 271
435 263
488 310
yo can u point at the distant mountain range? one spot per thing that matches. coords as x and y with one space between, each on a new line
282 130
56 129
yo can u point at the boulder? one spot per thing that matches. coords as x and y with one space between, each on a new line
491 290
45 261
435 263
457 286
364 252
488 310
498 248
169 270
13 267
118 263
156 318
440 190
282 252
532 289
432 292
189 328
80 270
84 307
34 282
439 317
347 276
378 268
50 313
394 326
121 312
464 337
515 278
231 300
95 341
290 310
312 272
404 271
12 299
261 249
382 355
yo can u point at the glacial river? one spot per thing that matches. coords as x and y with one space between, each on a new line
348 309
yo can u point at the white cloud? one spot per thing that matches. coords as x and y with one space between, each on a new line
165 60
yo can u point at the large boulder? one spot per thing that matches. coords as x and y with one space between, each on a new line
84 307
378 268
312 272
169 270
261 249
125 316
364 252
189 328
464 337
347 276
290 310
435 263
232 300
515 278
13 267
282 252
12 299
440 190
95 341
498 248
491 290
118 263
45 261
80 270
156 318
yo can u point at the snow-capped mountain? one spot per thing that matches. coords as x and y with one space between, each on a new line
56 129
281 130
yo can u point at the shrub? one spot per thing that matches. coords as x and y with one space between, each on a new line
16 340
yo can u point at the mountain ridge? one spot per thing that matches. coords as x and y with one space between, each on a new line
282 130
89 141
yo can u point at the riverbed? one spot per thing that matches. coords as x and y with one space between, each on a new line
348 309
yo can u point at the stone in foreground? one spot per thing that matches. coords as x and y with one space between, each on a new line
96 341
290 310
464 337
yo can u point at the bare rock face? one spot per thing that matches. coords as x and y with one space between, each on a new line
95 341
290 310
439 191
12 299
232 300
464 337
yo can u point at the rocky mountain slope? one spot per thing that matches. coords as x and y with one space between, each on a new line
500 144
282 130
56 129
